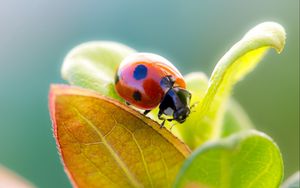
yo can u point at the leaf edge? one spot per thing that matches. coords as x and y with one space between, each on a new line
241 135
62 89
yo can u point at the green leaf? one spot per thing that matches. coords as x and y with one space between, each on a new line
93 65
242 58
235 119
293 181
250 159
197 83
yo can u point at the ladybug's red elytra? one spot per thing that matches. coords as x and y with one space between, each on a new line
146 80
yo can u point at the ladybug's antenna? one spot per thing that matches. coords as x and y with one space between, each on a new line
194 105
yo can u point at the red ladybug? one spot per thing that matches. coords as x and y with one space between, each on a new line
147 80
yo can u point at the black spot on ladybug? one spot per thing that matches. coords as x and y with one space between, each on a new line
117 78
140 72
137 96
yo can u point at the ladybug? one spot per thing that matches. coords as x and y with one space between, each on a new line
146 80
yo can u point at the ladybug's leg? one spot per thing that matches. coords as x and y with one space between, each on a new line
162 123
194 105
127 103
160 113
146 112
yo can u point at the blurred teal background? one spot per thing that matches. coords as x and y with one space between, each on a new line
36 35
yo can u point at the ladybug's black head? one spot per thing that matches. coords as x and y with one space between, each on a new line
182 104
176 103
181 114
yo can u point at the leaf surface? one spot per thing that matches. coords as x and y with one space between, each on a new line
93 65
104 143
245 160
241 59
235 119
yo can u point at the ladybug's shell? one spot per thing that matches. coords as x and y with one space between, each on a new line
139 76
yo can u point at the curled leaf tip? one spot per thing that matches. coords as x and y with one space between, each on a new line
269 33
240 60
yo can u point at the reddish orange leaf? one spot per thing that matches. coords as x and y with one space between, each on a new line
104 143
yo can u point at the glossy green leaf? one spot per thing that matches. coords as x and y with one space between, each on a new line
206 123
293 181
250 159
93 65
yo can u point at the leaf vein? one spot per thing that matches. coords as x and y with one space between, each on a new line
117 158
266 170
141 152
84 155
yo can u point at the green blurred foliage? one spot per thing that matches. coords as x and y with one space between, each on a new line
36 35
247 159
